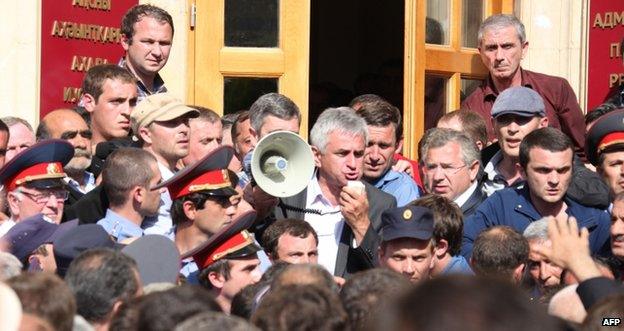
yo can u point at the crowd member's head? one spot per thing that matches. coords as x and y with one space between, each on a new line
34 180
609 309
129 178
617 227
466 121
291 240
500 252
161 122
304 274
546 159
301 307
30 241
273 112
66 124
566 304
109 94
70 244
593 115
45 296
101 280
146 36
227 121
21 136
502 44
204 200
364 294
228 263
213 321
385 130
339 138
604 148
162 311
4 142
242 138
10 266
450 163
448 225
358 102
469 304
407 245
206 134
544 273
516 112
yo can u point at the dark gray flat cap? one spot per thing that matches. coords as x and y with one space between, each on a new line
519 100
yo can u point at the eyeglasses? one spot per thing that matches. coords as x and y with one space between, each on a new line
44 196
445 168
87 134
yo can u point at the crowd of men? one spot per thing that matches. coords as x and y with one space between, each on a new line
135 211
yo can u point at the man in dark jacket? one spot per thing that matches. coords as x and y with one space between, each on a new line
546 159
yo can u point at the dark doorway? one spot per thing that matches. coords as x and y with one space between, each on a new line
356 47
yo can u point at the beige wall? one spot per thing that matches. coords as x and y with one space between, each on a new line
556 34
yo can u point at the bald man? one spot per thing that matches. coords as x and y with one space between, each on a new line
68 125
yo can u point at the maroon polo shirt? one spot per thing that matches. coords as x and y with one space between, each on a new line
562 107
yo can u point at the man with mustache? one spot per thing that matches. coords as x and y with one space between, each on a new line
545 157
68 125
161 124
617 227
502 46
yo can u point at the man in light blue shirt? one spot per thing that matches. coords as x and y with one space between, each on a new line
129 178
385 135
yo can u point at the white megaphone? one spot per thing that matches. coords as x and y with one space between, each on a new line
282 164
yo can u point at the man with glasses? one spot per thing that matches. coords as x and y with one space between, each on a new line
129 178
33 180
545 156
66 124
204 201
450 166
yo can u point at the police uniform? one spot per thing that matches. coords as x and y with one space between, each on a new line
607 134
407 222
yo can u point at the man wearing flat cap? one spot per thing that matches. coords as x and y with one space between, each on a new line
161 124
33 180
517 112
229 261
407 242
204 201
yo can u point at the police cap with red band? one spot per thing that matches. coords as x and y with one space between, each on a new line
208 175
40 165
606 134
233 241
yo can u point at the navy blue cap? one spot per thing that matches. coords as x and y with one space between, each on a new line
607 132
157 257
407 222
40 165
28 234
208 175
77 240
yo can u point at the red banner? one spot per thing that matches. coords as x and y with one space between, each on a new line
76 35
605 69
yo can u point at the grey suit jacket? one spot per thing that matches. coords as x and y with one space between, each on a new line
349 260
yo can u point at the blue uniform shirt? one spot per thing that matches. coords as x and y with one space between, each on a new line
400 185
119 227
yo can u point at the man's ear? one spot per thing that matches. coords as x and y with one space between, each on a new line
543 122
13 201
216 279
474 170
399 146
145 135
190 211
521 170
441 248
518 272
88 102
34 263
317 156
125 42
138 193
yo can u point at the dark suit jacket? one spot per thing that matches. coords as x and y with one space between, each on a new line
91 207
350 260
72 198
473 202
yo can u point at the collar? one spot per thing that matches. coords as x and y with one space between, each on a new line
89 180
315 195
389 176
128 227
489 89
490 168
158 84
164 171
462 198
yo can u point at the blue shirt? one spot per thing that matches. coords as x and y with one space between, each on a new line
458 265
190 271
400 185
119 227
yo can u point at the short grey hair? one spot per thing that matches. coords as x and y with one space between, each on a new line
500 21
439 137
273 104
10 266
343 119
12 120
537 230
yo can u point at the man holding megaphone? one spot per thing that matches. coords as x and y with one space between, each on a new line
344 211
